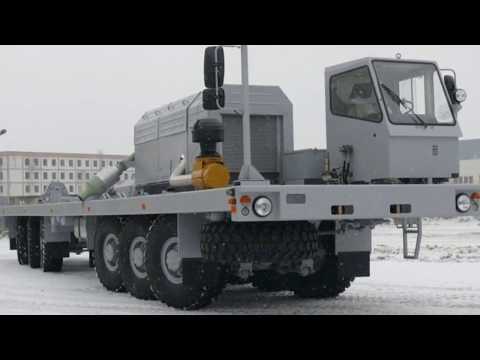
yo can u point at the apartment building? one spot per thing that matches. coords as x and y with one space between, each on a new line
24 176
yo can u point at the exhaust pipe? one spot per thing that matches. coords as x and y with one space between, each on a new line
178 179
106 178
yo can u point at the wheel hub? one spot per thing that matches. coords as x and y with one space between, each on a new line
137 257
171 261
111 252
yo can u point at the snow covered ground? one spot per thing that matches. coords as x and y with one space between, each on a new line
446 280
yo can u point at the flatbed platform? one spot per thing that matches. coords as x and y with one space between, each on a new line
290 203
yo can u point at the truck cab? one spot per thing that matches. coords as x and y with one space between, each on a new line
392 121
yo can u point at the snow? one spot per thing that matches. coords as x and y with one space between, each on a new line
444 281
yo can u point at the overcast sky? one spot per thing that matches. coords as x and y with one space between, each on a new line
88 98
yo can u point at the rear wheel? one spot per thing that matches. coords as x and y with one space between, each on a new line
51 259
107 254
132 258
22 241
326 283
164 269
269 281
33 240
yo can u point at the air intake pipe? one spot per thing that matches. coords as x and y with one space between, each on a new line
209 170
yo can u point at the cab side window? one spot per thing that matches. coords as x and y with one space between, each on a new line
352 95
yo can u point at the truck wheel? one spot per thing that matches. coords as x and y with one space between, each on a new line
164 269
33 240
324 284
49 259
132 258
107 254
22 241
269 281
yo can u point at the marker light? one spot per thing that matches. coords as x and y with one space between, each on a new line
463 203
461 95
262 206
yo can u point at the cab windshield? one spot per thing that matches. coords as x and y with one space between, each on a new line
413 93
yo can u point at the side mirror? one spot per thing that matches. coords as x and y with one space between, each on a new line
213 100
450 83
214 67
458 96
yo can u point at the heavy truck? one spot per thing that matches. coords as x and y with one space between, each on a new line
222 197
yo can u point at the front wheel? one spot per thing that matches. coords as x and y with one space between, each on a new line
164 269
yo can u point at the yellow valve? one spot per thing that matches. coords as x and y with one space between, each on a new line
210 173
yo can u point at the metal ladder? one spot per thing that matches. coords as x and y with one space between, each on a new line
411 226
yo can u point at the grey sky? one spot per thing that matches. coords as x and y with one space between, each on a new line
88 98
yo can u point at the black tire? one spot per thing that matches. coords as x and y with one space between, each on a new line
50 261
269 281
166 282
33 240
107 265
277 243
22 241
132 258
324 284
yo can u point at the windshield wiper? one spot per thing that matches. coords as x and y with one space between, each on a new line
402 102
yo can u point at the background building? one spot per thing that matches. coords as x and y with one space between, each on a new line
24 176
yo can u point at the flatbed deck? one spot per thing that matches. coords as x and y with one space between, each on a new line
290 202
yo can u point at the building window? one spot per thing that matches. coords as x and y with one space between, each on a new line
35 176
79 163
71 188
70 176
70 163
54 162
35 162
62 163
27 162
87 163
36 189
1 175
80 176
1 189
87 176
54 176
1 161
45 162
27 189
110 163
133 176
45 176
103 163
27 176
62 176
126 176
44 188
95 163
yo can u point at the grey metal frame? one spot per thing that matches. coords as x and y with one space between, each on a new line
368 201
